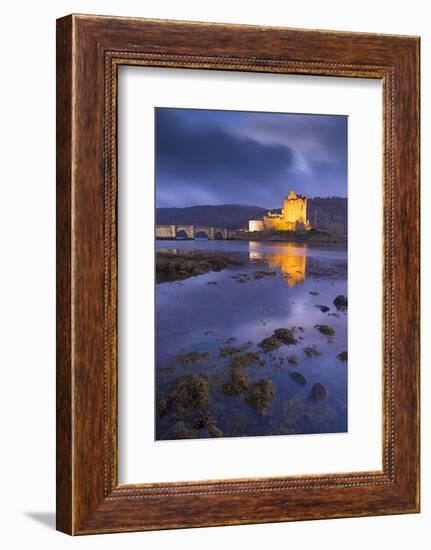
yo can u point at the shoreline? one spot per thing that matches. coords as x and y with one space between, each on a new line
302 238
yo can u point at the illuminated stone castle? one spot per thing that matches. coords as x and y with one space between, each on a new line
293 216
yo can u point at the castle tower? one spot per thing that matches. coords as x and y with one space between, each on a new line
295 210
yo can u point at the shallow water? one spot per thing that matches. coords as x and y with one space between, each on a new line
207 312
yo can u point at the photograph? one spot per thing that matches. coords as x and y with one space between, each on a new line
251 286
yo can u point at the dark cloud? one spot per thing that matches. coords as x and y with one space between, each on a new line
190 151
216 157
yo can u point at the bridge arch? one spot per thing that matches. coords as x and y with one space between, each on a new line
184 232
201 234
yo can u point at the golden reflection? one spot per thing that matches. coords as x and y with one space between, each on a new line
291 263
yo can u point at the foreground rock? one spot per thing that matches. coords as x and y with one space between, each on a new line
260 394
342 356
292 360
192 358
340 302
312 351
323 309
325 329
318 392
185 432
238 381
189 392
280 336
182 265
262 274
298 377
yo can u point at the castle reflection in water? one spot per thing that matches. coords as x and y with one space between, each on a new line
291 260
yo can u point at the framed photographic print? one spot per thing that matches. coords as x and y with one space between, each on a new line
237 274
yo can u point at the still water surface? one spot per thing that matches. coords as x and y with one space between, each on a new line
207 312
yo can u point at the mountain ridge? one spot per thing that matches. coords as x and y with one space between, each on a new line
329 212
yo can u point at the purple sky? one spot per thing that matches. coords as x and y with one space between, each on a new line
235 157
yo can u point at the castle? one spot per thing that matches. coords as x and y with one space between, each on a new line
293 216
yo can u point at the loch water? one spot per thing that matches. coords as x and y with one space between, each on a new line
235 308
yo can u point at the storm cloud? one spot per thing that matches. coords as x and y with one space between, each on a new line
231 157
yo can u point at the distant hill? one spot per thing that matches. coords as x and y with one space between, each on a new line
230 216
330 212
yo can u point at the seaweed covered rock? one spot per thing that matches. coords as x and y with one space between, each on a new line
192 358
323 309
182 265
340 302
286 336
228 351
207 422
342 356
260 394
325 329
270 344
318 392
214 431
185 432
236 383
280 336
189 392
247 359
311 352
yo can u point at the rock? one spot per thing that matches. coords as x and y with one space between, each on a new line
285 335
188 392
262 274
162 406
287 431
280 336
314 293
214 431
247 359
298 377
323 309
292 360
312 351
318 392
241 278
238 381
325 329
340 302
227 351
342 356
269 344
185 432
261 394
192 358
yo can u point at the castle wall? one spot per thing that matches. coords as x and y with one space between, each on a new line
278 223
256 225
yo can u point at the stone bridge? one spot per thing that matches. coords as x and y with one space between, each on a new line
191 232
